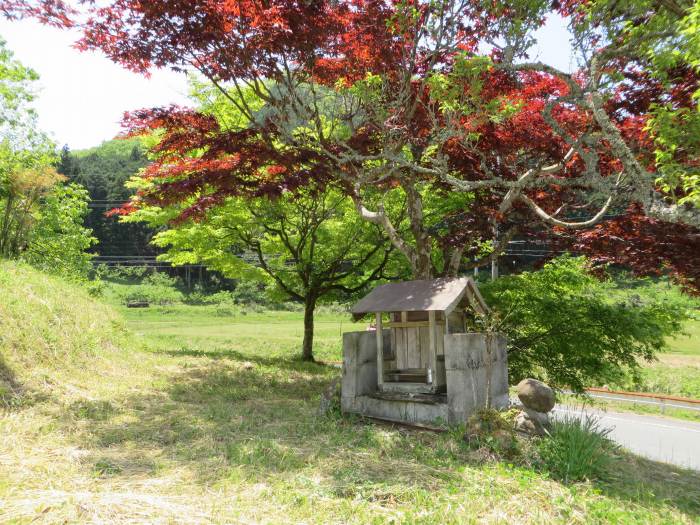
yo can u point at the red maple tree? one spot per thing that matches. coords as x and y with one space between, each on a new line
394 97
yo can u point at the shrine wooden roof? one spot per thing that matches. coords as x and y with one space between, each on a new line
439 295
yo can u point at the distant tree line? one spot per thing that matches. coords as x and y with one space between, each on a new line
103 171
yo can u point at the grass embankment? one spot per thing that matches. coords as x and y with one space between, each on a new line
216 423
53 334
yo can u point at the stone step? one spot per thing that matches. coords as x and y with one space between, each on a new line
407 375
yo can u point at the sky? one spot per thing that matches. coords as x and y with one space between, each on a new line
83 95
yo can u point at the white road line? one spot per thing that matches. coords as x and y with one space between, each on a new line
686 429
628 420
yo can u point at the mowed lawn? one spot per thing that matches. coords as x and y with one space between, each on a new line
234 329
688 343
677 371
215 421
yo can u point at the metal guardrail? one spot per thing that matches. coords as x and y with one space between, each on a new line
645 398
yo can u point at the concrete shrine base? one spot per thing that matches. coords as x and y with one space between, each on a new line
400 408
467 366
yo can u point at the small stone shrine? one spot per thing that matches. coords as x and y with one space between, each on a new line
420 364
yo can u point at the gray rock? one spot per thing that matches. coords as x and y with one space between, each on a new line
535 395
532 422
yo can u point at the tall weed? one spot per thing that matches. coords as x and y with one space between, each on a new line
578 448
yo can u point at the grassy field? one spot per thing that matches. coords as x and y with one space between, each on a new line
217 327
677 371
209 418
689 343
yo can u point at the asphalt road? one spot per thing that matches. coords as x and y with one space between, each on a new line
659 438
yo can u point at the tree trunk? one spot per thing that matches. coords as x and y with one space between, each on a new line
307 349
419 256
5 231
422 266
494 259
422 262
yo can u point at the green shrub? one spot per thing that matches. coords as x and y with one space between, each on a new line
58 241
493 431
291 306
576 449
153 294
250 292
334 308
156 278
122 274
227 310
199 297
124 284
253 308
570 329
96 288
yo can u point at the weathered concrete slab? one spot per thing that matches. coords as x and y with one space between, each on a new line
398 410
360 363
409 388
430 399
468 365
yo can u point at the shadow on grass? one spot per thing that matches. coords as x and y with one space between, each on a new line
214 417
241 417
7 376
10 388
285 362
649 482
13 393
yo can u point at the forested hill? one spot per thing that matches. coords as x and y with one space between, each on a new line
104 170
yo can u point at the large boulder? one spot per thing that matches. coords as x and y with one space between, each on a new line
535 395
